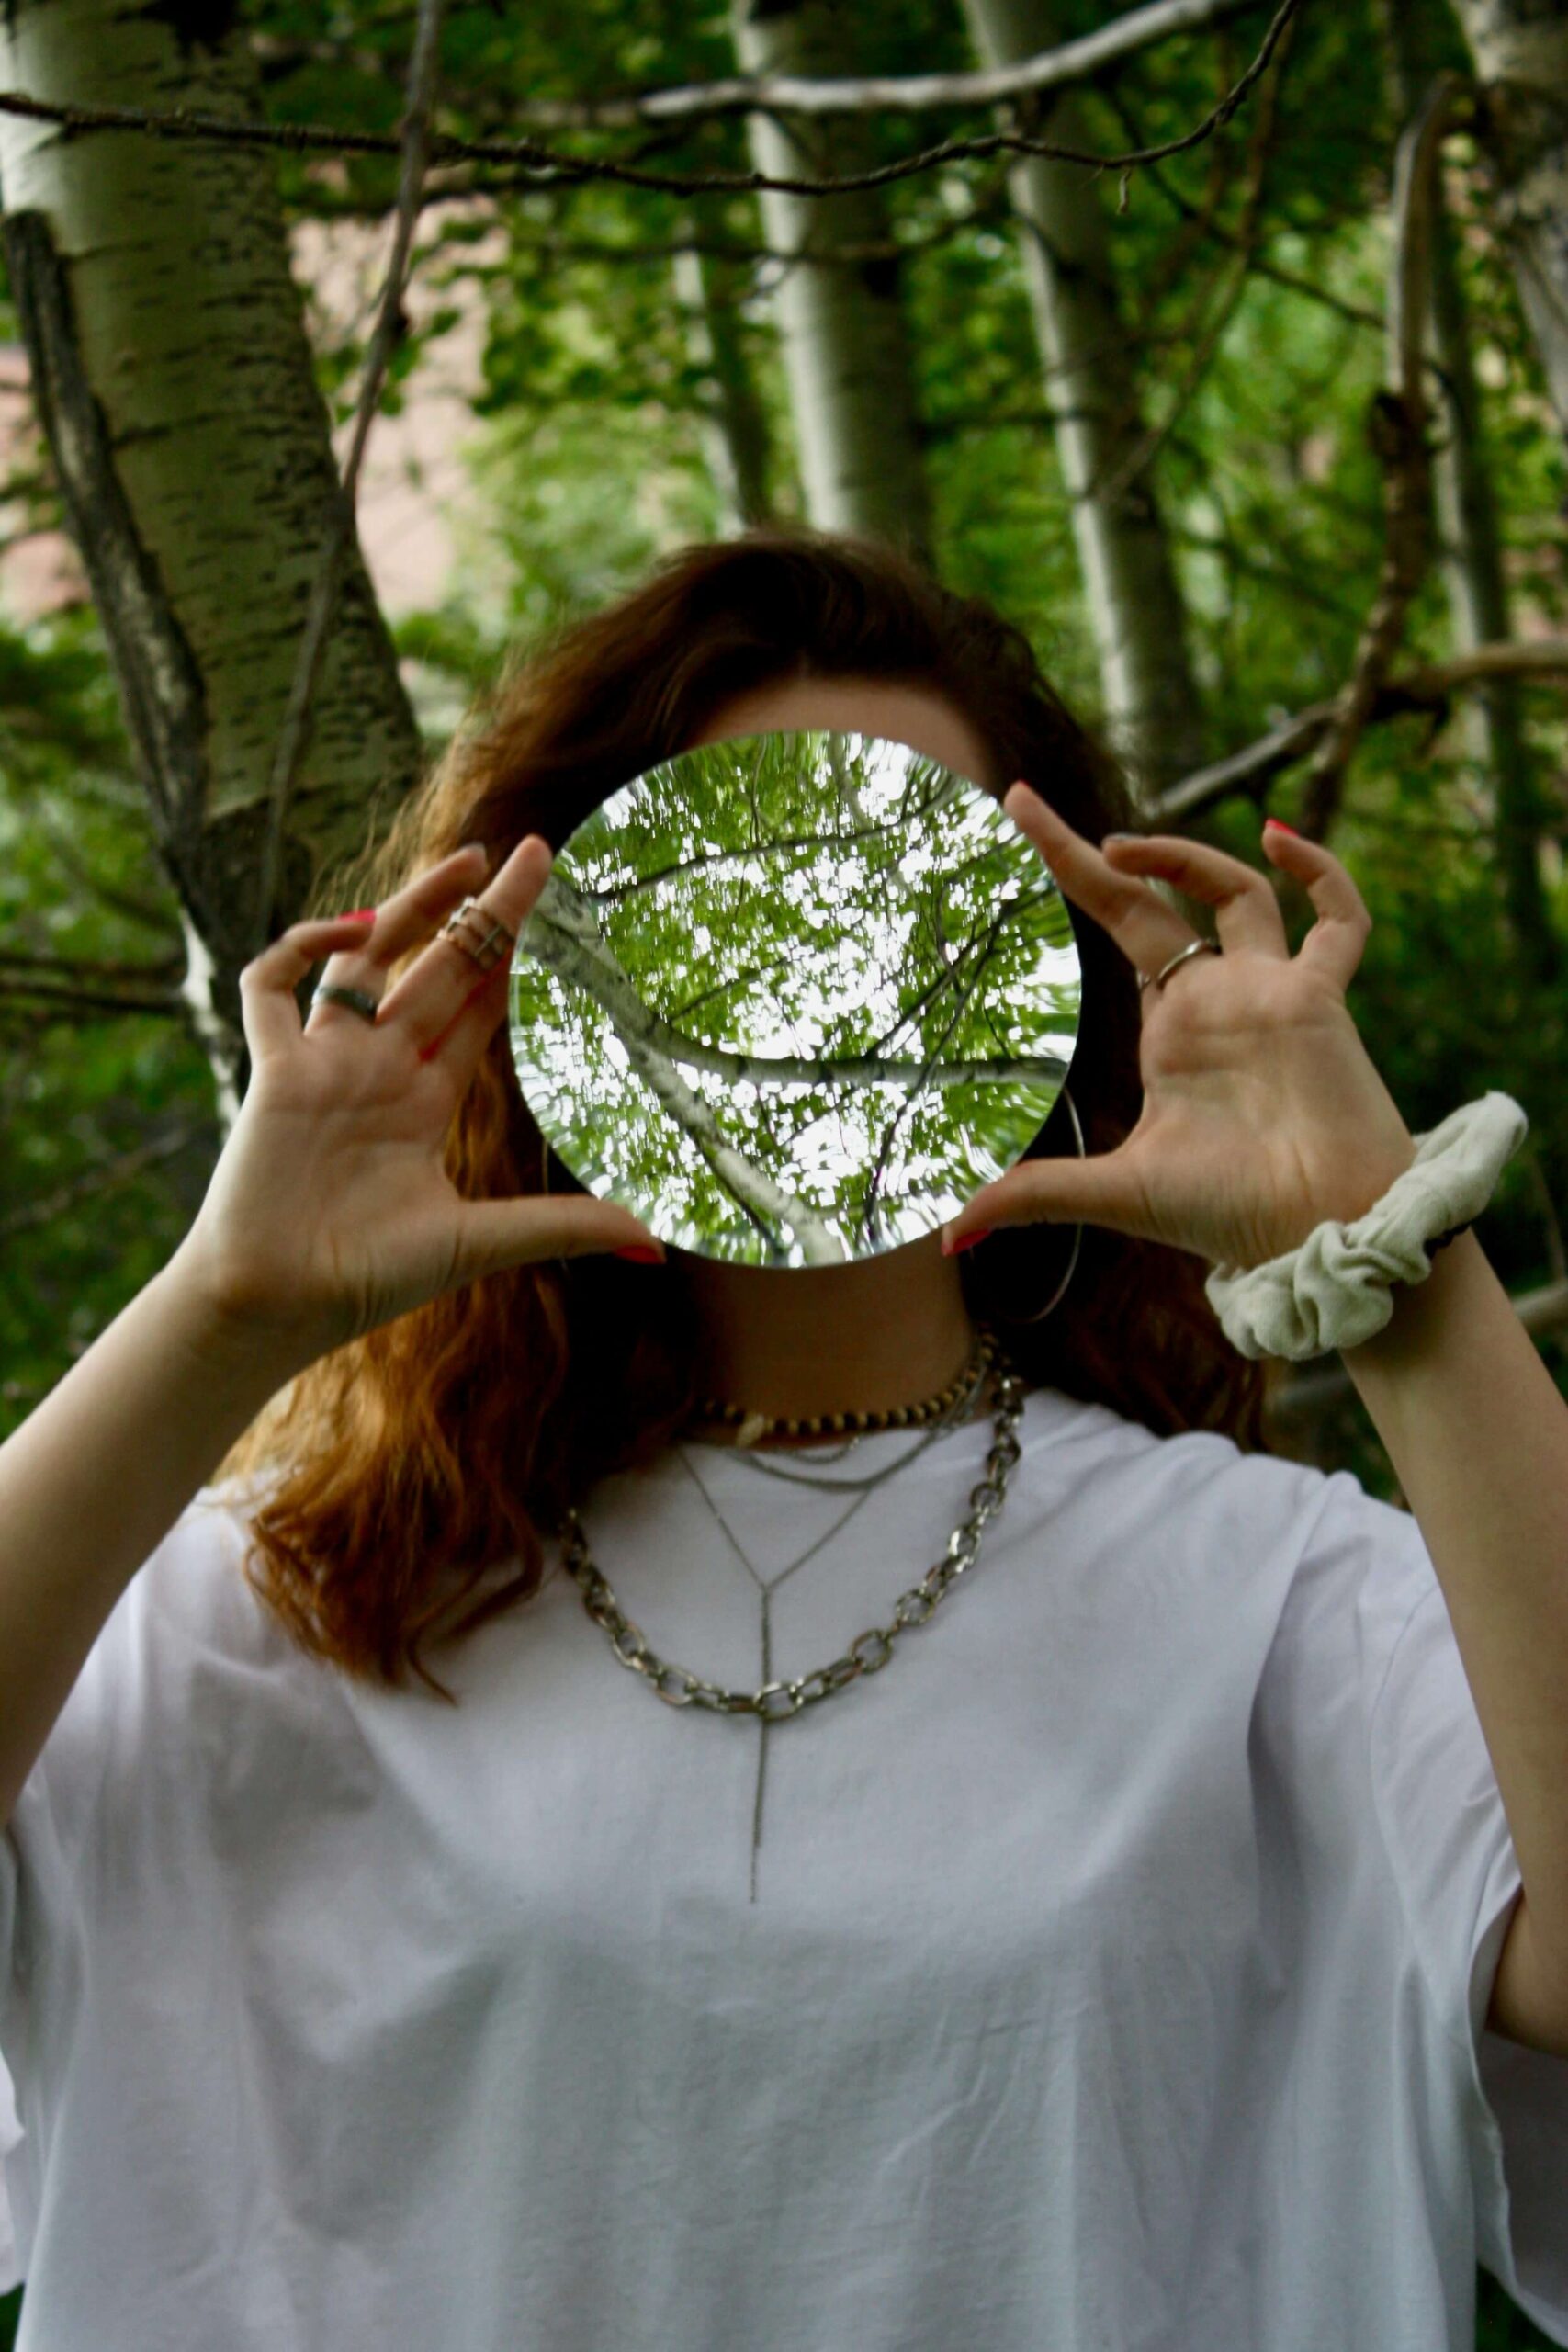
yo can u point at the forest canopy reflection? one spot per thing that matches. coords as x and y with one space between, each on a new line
793 998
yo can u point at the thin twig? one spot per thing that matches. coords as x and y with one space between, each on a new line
1052 69
1207 338
389 325
1203 221
551 165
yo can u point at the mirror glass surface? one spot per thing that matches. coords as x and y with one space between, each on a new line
793 998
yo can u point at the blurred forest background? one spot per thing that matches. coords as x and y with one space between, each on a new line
1262 440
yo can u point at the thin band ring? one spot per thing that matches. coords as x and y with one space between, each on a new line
1158 979
357 999
472 929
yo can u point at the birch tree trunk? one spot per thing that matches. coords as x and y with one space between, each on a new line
1153 714
1470 555
846 351
175 386
1520 48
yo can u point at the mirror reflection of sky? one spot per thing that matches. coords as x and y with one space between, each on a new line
808 898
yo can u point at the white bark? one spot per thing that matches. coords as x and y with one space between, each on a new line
1520 48
564 937
174 381
1057 69
1470 550
845 349
1151 711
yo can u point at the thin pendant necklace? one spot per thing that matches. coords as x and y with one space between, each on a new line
862 1490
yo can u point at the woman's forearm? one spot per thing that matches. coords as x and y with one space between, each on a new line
1477 1433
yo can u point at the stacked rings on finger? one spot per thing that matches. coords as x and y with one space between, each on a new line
481 939
479 935
1158 979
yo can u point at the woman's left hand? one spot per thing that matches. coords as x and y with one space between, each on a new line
1262 1113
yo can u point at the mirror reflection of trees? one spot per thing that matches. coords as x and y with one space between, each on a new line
795 997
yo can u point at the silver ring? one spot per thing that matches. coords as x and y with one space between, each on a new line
1158 979
356 1000
479 933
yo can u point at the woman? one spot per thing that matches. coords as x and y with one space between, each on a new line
1111 1969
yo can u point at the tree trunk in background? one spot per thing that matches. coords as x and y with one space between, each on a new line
1472 555
1520 48
175 384
845 348
735 425
1153 714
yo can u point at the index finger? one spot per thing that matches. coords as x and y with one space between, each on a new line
1143 923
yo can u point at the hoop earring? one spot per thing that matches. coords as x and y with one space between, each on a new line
997 1315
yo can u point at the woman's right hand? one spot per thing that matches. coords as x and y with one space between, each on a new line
330 1211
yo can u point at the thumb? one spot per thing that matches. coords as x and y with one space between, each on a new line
1096 1190
495 1234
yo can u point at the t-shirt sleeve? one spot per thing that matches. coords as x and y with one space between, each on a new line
1447 1838
40 1908
45 1901
34 1879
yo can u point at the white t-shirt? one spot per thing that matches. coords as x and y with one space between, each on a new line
1109 1969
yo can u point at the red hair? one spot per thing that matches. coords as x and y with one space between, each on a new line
407 1466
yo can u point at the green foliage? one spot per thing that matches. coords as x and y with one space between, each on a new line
108 1132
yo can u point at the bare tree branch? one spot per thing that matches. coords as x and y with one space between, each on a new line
1053 69
1426 687
1208 337
1202 221
1398 425
550 166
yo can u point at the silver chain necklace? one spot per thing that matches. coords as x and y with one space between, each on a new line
870 1651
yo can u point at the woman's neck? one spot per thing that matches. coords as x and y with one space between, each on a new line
796 1343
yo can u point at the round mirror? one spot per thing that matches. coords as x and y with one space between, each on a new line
792 998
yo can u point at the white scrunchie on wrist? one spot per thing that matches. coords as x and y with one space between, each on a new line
1334 1291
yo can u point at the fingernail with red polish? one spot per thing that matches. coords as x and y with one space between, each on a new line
640 1256
965 1240
1279 826
360 914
